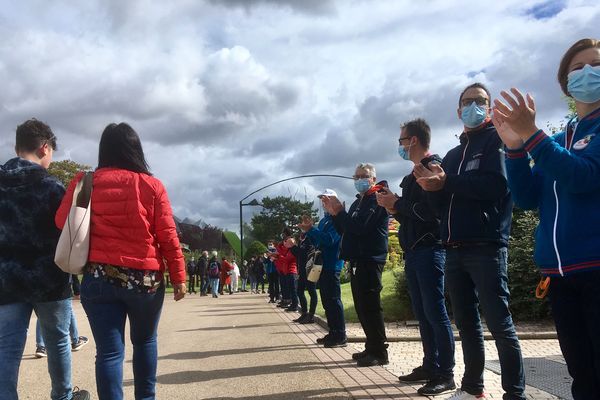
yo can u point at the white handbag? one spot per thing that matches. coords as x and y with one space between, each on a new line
314 266
74 242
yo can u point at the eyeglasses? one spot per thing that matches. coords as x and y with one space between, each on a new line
404 138
480 101
357 177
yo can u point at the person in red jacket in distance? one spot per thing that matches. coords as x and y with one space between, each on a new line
132 236
226 271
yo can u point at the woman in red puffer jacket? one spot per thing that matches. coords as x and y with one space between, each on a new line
133 236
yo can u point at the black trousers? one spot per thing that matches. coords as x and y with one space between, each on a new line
274 285
192 285
366 289
305 284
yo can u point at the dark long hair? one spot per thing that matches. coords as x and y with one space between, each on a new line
120 147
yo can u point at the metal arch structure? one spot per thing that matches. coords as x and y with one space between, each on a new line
255 203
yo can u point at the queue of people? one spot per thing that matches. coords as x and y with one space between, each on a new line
455 218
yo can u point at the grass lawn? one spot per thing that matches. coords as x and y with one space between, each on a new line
393 308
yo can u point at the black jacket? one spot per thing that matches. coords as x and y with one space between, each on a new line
301 252
203 266
364 230
29 198
419 221
475 204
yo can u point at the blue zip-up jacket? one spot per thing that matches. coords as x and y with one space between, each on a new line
326 239
475 204
269 266
29 198
564 184
365 230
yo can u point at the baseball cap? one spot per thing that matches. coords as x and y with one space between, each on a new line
328 193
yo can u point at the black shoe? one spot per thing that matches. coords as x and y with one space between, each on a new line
323 339
283 305
331 343
417 375
80 394
308 320
300 318
359 355
291 309
270 301
370 361
437 386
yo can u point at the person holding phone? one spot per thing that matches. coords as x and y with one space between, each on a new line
424 257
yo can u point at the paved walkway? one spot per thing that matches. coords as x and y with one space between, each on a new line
239 347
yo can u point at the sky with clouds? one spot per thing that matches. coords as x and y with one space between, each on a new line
231 95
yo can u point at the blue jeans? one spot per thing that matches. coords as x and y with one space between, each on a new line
54 317
424 269
73 332
477 275
214 286
107 307
575 304
331 298
311 287
293 289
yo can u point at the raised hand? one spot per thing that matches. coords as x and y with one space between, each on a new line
520 116
432 179
508 136
306 223
332 205
387 200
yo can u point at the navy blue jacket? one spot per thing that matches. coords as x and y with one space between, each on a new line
419 221
564 185
29 198
364 230
326 239
475 204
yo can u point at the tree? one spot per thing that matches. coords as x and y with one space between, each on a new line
65 170
256 248
277 213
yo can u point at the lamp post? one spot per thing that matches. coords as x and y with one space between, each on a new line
256 203
253 202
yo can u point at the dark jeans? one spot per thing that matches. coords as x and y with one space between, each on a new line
75 285
293 289
304 284
575 301
107 307
203 284
477 275
424 269
192 286
285 288
331 298
366 289
274 285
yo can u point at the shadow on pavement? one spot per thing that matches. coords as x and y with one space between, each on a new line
193 355
219 328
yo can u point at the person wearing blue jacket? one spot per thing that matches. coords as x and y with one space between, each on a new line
471 193
325 238
564 185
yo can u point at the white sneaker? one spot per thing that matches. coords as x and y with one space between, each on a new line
462 395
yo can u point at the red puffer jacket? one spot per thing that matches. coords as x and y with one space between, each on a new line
285 261
131 223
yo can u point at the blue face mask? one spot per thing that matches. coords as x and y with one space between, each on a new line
362 185
405 154
473 115
584 84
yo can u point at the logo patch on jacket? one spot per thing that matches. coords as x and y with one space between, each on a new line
583 143
472 165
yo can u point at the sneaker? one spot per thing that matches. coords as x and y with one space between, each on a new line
370 361
462 395
81 341
79 394
437 386
283 305
40 352
300 318
323 339
359 355
331 343
417 375
308 320
271 301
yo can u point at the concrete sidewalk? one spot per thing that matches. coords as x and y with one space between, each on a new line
238 346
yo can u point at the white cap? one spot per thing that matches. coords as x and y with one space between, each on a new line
328 193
